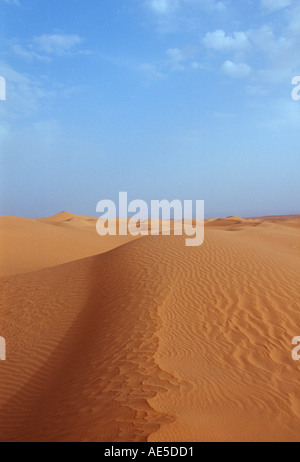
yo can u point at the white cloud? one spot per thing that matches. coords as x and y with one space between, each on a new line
240 70
175 55
219 41
163 6
171 16
270 52
178 60
166 7
272 48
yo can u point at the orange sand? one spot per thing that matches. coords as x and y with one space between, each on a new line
115 339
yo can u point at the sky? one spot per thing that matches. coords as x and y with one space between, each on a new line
163 99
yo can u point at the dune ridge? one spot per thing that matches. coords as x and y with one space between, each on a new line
154 341
28 245
96 343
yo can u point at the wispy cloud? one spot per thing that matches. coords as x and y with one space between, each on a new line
24 93
59 45
283 114
152 71
45 47
175 60
181 59
28 54
165 7
275 5
12 2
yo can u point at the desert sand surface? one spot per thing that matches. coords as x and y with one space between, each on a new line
29 245
121 339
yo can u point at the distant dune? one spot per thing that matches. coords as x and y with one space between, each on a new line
278 218
121 339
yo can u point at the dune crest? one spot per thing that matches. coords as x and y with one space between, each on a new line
28 245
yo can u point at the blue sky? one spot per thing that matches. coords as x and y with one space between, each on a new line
165 99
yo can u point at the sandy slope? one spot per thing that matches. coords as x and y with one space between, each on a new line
156 341
29 245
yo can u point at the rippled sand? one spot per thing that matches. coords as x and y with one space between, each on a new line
115 339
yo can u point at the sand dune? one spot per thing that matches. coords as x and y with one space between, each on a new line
29 245
150 340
